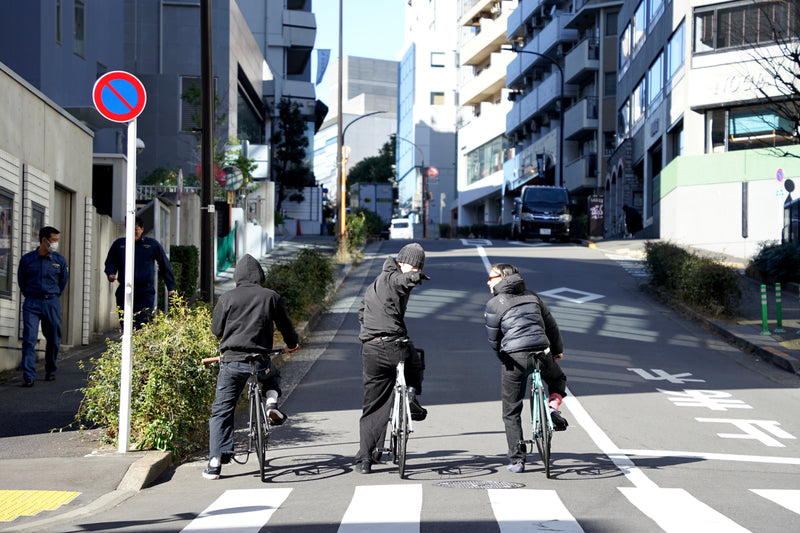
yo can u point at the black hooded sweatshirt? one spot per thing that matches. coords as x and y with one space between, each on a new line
243 316
383 308
518 320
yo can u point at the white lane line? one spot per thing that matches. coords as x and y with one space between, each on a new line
786 498
716 456
621 460
239 511
486 263
384 508
518 510
677 511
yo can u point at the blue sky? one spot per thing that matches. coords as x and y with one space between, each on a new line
371 28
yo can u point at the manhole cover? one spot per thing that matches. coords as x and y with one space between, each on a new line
464 484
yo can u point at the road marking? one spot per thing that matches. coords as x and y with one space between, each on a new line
239 511
16 503
785 498
677 511
384 508
634 267
710 456
571 295
531 510
753 429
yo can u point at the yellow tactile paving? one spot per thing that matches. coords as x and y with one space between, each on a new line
14 503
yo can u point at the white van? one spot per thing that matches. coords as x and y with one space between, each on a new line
401 228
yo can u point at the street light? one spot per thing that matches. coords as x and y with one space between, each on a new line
424 187
343 179
516 48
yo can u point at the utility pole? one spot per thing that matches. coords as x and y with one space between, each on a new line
341 218
207 212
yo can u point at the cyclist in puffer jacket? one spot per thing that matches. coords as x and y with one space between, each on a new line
519 324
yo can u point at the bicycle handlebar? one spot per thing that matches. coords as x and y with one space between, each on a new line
274 351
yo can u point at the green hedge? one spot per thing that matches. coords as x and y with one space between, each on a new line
776 262
186 267
303 282
700 282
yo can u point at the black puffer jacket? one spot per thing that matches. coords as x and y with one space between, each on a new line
518 320
243 316
383 308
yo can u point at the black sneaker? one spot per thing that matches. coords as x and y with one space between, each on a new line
27 383
559 422
50 376
214 468
364 467
377 456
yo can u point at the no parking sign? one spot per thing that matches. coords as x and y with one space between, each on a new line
119 96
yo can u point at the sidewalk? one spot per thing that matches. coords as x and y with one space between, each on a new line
51 472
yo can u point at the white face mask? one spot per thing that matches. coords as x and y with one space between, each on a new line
52 246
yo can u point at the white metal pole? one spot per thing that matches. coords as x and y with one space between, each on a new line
127 316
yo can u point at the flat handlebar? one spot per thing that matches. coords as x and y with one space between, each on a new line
274 351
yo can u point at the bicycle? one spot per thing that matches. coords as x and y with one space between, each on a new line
540 415
400 426
258 426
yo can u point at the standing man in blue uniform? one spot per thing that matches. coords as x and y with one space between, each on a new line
42 276
147 253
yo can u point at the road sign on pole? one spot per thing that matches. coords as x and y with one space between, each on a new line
120 97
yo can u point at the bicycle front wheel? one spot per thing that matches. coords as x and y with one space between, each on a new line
402 433
542 430
262 434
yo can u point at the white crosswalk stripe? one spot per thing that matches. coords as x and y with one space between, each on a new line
239 511
385 508
634 267
518 510
398 509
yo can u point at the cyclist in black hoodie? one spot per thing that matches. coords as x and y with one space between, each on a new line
243 320
519 324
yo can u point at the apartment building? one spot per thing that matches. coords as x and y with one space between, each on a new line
426 116
369 96
482 145
698 146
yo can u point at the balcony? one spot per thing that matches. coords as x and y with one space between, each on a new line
581 173
486 86
491 36
580 120
582 61
545 42
299 29
543 97
517 18
480 9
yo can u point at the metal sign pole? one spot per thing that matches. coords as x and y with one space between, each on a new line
127 316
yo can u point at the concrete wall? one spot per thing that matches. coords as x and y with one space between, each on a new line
46 160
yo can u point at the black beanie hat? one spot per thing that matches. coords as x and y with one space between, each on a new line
412 254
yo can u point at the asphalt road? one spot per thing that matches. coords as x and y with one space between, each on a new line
671 429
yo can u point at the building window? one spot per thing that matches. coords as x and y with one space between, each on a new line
487 159
437 98
6 219
609 143
78 28
675 52
675 137
58 21
655 11
735 25
655 79
610 84
638 99
37 222
611 23
624 50
639 27
623 122
437 59
757 127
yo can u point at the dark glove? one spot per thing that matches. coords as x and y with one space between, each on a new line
418 276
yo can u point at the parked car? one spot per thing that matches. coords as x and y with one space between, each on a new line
543 212
401 228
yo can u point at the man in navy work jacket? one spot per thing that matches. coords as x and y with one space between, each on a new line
42 276
147 253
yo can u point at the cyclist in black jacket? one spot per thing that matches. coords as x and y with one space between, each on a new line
519 324
384 343
243 320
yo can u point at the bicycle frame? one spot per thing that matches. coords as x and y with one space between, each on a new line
399 385
536 386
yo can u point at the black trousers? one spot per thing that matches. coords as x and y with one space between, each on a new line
380 360
517 367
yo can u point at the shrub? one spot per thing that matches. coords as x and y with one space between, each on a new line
462 231
302 282
171 391
698 281
444 231
185 265
501 231
373 224
355 231
778 262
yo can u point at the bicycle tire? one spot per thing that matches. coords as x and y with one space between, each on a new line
391 441
542 434
402 433
262 435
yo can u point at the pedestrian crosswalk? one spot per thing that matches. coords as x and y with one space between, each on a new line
635 267
398 509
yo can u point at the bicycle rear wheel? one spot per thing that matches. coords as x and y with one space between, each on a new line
262 433
542 429
402 433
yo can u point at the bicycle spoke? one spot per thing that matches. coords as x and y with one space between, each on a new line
402 433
